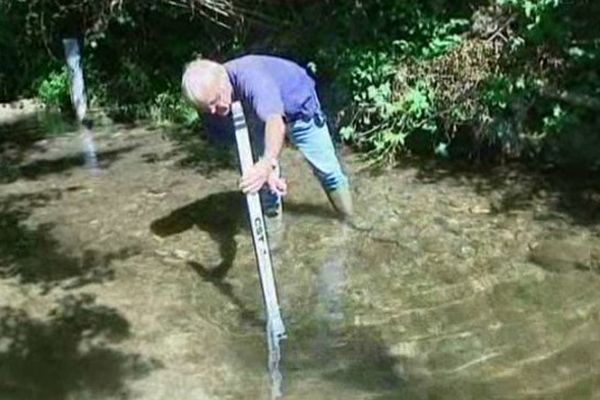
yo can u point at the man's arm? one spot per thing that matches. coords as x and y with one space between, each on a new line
265 97
262 171
274 137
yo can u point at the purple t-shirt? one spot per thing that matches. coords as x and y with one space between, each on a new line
271 85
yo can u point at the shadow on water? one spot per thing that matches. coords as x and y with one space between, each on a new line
199 154
25 133
26 130
354 357
20 137
216 278
11 172
363 362
67 353
222 215
32 254
572 193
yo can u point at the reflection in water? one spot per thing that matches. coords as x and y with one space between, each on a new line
89 152
273 342
79 100
331 281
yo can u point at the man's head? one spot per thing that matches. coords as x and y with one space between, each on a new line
205 84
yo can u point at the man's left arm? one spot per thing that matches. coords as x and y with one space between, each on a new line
274 138
263 170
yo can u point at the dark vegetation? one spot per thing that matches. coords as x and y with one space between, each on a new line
483 80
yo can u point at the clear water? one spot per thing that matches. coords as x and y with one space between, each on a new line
140 283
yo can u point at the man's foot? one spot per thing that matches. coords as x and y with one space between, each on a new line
341 200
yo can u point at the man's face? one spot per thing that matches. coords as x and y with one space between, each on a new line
216 100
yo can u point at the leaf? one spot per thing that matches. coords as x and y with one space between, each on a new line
441 150
417 101
347 132
576 52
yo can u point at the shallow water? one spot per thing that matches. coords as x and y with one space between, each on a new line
140 282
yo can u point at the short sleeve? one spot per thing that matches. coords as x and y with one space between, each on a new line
264 95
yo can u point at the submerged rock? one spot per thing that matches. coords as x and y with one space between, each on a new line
561 255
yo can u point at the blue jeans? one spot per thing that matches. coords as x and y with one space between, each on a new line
314 141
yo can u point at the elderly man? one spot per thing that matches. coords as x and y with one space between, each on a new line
278 97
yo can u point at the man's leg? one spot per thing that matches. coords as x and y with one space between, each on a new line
314 141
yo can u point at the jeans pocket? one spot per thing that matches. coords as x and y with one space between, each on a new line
320 119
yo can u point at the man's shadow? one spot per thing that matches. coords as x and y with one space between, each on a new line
221 215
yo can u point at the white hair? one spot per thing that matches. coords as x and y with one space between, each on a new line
198 76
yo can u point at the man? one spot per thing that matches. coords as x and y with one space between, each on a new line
278 97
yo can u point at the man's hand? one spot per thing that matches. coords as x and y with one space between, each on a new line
276 184
262 172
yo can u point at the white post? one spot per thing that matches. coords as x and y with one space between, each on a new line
79 100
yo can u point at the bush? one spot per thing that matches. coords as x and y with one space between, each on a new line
169 107
53 90
463 79
515 78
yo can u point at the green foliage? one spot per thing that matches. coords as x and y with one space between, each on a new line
384 121
390 103
445 37
133 52
460 92
169 107
504 77
53 90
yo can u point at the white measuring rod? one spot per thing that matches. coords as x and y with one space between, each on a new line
275 327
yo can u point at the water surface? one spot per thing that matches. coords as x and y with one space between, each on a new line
140 282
